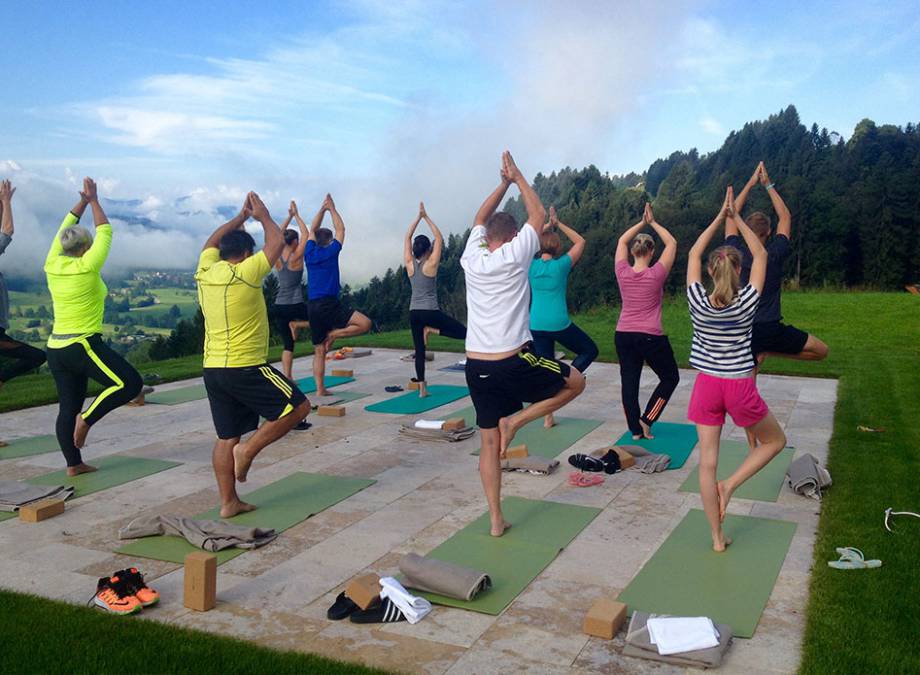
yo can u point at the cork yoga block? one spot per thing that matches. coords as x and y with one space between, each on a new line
342 372
604 618
200 581
331 411
39 511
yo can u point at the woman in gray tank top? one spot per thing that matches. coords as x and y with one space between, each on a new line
290 314
425 317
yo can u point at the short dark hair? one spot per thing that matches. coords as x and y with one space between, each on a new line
324 236
291 237
421 245
760 223
501 227
236 244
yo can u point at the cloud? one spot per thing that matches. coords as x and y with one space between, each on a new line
712 126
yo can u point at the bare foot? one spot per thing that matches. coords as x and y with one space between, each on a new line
721 542
428 332
724 496
322 392
235 508
506 431
638 437
646 430
330 340
241 462
422 390
499 530
80 431
549 422
294 330
80 468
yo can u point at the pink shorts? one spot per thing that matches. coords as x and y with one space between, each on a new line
712 397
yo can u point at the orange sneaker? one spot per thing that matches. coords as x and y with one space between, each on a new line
135 584
112 595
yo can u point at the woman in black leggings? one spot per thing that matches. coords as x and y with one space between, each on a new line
290 313
639 338
425 316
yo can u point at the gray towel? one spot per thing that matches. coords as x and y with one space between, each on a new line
530 464
807 478
647 462
210 535
16 493
639 645
437 435
443 578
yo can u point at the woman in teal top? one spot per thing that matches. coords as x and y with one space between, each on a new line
549 313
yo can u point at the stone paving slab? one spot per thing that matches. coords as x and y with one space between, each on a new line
278 595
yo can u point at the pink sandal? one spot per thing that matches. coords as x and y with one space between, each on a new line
579 479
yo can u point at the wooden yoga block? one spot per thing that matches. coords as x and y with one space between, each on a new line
200 581
454 424
516 451
413 386
626 459
342 372
331 411
363 590
39 511
604 618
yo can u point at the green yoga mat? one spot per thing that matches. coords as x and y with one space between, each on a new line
674 440
764 486
195 392
548 443
32 445
410 403
342 397
685 577
308 385
539 531
113 470
282 504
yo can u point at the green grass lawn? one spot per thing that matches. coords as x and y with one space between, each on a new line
857 621
41 636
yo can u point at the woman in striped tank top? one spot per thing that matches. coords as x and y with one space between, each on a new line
721 351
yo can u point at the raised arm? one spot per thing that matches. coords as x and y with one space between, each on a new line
669 253
6 209
98 252
741 200
317 221
233 224
758 252
90 195
578 242
304 233
408 258
274 239
694 258
536 214
622 252
437 247
337 221
784 226
492 202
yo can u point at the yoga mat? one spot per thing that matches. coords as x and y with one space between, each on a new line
113 470
340 397
308 385
32 445
685 577
539 531
282 504
454 368
548 443
195 392
765 485
674 440
410 403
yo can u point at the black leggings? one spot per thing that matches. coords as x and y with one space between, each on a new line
283 315
25 357
72 367
433 318
572 338
634 350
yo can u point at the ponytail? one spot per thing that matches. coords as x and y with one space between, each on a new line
724 265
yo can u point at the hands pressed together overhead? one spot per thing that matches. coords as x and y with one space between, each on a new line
6 191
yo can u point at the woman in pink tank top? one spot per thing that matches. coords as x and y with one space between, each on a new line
639 338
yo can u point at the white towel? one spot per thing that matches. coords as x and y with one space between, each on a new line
413 607
674 635
429 424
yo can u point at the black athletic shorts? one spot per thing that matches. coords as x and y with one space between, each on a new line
777 337
240 396
500 388
327 314
283 315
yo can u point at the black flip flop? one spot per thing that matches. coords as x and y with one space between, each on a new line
611 462
303 425
341 608
393 388
587 463
385 612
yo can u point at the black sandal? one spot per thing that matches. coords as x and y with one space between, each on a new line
341 608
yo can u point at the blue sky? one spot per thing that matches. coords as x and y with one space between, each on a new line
386 103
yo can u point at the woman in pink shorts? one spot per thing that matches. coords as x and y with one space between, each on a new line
721 351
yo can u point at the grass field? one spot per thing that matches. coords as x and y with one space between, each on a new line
857 621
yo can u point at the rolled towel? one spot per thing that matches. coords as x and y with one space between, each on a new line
530 463
443 578
429 424
414 607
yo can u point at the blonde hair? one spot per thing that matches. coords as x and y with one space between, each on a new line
75 240
642 246
759 222
724 267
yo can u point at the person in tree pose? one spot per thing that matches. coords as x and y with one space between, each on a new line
329 318
721 350
241 385
24 357
771 337
422 258
290 309
639 337
502 370
549 312
76 351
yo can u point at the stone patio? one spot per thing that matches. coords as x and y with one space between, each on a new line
277 596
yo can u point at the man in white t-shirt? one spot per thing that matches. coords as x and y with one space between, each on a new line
502 370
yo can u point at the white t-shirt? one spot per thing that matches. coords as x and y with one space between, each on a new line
498 291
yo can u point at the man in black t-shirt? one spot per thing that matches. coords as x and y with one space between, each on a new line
771 336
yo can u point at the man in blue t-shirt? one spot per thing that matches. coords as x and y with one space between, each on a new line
329 318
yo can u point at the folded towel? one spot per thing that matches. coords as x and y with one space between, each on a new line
638 644
429 424
15 493
443 578
210 535
413 607
437 435
676 635
647 462
531 464
808 478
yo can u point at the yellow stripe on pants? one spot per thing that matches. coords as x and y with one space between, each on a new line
105 369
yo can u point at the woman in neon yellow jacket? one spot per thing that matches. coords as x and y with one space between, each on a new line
76 351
